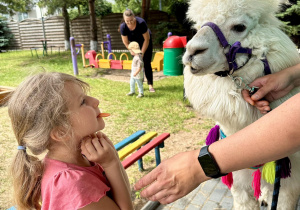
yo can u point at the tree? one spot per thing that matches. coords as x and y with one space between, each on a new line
94 37
96 8
5 34
181 27
12 6
145 9
102 8
121 5
136 5
53 5
290 16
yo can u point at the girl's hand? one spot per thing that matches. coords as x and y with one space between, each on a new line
102 135
98 148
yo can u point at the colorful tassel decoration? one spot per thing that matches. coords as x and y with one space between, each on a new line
213 135
268 172
285 167
228 180
256 183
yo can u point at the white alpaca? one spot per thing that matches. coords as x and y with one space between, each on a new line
253 23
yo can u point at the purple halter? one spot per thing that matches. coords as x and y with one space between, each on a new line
233 50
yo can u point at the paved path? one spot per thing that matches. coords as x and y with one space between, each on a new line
211 195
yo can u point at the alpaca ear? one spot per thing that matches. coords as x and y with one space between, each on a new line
58 134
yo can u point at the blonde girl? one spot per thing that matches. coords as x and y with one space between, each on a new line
51 113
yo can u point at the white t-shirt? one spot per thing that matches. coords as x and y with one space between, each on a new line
137 63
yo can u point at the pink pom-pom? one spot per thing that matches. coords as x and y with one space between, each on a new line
228 180
256 183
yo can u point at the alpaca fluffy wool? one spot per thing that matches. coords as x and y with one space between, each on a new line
219 98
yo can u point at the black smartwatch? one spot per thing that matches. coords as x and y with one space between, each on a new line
208 163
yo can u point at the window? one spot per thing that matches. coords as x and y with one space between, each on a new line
22 16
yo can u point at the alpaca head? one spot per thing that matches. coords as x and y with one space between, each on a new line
251 22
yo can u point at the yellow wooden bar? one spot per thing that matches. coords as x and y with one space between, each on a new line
137 144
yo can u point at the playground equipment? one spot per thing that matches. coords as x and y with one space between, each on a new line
143 142
115 64
75 48
103 63
4 94
95 62
91 55
126 63
106 45
158 61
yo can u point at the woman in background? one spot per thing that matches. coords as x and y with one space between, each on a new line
136 29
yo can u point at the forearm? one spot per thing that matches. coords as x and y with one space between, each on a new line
137 71
274 136
119 186
145 45
125 177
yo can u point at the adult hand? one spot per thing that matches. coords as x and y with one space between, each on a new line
261 105
98 148
173 178
271 88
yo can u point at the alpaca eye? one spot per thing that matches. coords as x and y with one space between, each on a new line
239 28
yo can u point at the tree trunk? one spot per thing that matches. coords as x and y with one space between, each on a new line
66 27
79 10
144 3
93 41
148 5
145 9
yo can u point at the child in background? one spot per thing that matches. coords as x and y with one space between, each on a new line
81 170
137 70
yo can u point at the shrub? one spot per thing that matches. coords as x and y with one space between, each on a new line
5 34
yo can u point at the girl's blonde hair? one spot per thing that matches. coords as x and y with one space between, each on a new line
36 107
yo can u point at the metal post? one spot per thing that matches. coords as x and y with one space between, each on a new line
140 163
43 24
157 153
109 45
160 9
44 43
43 28
74 56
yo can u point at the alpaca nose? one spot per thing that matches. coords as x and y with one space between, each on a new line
197 52
200 51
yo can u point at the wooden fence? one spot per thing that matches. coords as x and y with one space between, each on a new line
29 32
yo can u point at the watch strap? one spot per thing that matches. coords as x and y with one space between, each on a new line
204 151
